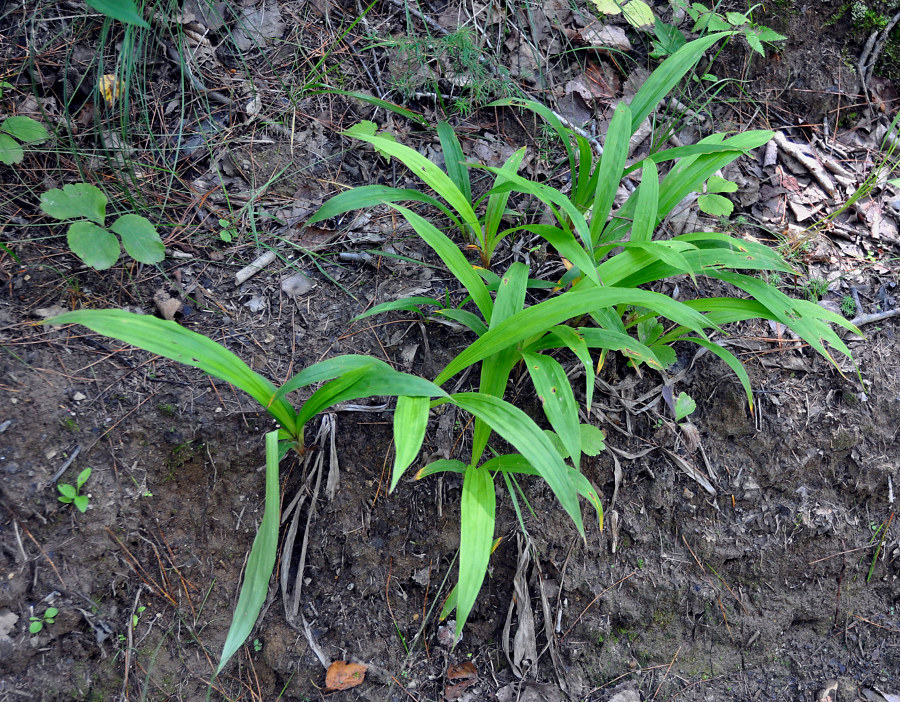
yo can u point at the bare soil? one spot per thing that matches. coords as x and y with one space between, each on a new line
788 577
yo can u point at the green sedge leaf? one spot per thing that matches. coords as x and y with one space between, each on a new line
453 258
260 564
171 340
454 159
477 512
558 400
410 422
576 344
609 173
647 202
407 304
516 427
443 465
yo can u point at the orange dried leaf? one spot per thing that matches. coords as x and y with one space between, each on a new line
342 675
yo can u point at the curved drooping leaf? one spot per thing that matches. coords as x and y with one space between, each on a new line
476 536
171 340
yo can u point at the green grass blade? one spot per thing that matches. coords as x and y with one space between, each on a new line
566 244
326 370
410 422
731 361
453 258
466 318
261 562
558 400
609 339
516 427
454 158
378 102
173 341
475 539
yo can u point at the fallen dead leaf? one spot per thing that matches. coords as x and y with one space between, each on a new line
460 678
343 676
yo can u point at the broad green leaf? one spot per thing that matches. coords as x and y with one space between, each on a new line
140 238
261 562
667 75
453 258
67 491
10 151
593 440
75 200
715 205
25 129
638 14
517 428
476 536
122 10
171 340
736 19
755 43
670 39
768 35
684 406
454 158
607 7
717 184
556 396
541 317
443 465
81 502
94 245
410 422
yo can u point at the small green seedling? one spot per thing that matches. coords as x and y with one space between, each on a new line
23 129
714 204
48 617
72 494
228 231
136 616
89 240
684 406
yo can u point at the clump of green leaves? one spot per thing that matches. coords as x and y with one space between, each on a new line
89 239
37 624
71 494
14 130
600 306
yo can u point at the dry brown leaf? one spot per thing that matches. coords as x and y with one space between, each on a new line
460 678
343 676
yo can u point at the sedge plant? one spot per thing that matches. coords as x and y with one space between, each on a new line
601 305
345 378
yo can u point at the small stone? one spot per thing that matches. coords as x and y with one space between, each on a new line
296 285
78 397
